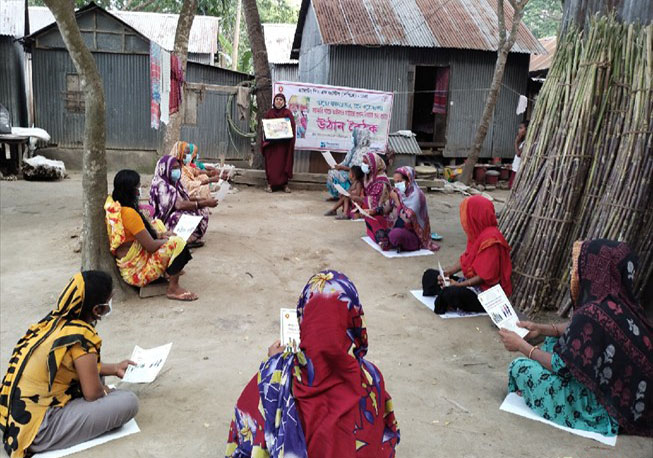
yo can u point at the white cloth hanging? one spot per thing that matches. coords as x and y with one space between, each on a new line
522 104
165 86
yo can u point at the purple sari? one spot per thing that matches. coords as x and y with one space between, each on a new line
164 194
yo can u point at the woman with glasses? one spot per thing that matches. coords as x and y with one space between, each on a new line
53 395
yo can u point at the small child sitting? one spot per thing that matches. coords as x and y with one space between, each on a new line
356 177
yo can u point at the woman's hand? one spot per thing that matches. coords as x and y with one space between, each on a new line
210 202
512 341
122 366
533 328
275 348
341 167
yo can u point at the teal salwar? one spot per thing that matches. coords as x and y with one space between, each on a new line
557 396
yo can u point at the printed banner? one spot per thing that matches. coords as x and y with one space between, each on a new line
326 116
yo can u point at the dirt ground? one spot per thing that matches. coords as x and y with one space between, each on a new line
447 377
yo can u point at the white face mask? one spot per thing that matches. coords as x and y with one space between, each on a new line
140 193
365 168
401 186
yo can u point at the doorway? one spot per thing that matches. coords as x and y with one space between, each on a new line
430 105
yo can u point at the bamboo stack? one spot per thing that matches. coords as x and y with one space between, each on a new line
587 162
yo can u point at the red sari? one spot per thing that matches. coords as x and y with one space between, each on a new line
279 154
487 254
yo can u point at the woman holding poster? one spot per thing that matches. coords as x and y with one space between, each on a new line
278 151
340 174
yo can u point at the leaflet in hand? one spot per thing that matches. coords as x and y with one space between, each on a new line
360 209
186 226
222 192
444 279
148 364
328 157
289 328
341 190
498 307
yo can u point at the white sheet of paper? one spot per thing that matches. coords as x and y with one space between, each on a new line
289 327
498 307
125 430
429 302
222 192
341 190
516 404
360 210
394 253
148 364
328 157
186 226
444 279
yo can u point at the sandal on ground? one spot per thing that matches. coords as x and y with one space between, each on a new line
187 296
195 244
268 188
331 213
286 189
342 217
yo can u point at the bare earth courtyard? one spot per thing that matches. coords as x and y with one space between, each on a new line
447 377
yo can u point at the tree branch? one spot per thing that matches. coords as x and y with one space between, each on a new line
501 18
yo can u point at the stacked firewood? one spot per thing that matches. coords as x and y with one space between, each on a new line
588 162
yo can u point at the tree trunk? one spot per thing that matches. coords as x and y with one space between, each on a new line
95 243
505 45
261 71
184 24
234 50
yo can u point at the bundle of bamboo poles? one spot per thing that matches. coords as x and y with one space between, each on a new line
588 165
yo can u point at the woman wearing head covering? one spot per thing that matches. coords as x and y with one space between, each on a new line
594 373
377 199
144 252
485 262
279 154
326 400
412 228
52 396
195 181
340 174
170 200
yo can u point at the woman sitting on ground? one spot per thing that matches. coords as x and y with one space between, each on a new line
594 372
377 199
355 189
485 262
170 200
339 174
195 181
143 253
53 396
411 230
326 400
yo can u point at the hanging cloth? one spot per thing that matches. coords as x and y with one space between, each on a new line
155 85
441 90
176 83
165 86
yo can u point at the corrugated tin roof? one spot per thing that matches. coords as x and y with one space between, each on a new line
458 24
157 27
543 62
278 41
403 144
12 18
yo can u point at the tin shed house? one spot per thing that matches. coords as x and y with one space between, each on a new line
121 53
437 56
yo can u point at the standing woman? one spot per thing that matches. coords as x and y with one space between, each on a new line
53 396
170 199
279 154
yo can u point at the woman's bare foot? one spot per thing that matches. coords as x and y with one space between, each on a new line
331 213
286 189
268 188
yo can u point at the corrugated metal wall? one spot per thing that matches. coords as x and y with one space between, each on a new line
211 133
12 80
314 56
284 72
391 69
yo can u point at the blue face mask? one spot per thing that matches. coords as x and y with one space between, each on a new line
188 159
175 175
365 168
401 186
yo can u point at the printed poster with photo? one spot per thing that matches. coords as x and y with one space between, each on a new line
326 116
277 128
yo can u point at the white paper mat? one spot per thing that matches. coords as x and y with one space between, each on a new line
394 253
429 302
127 429
516 404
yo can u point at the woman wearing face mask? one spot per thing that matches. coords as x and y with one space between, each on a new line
279 154
53 395
144 252
170 199
195 182
412 229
